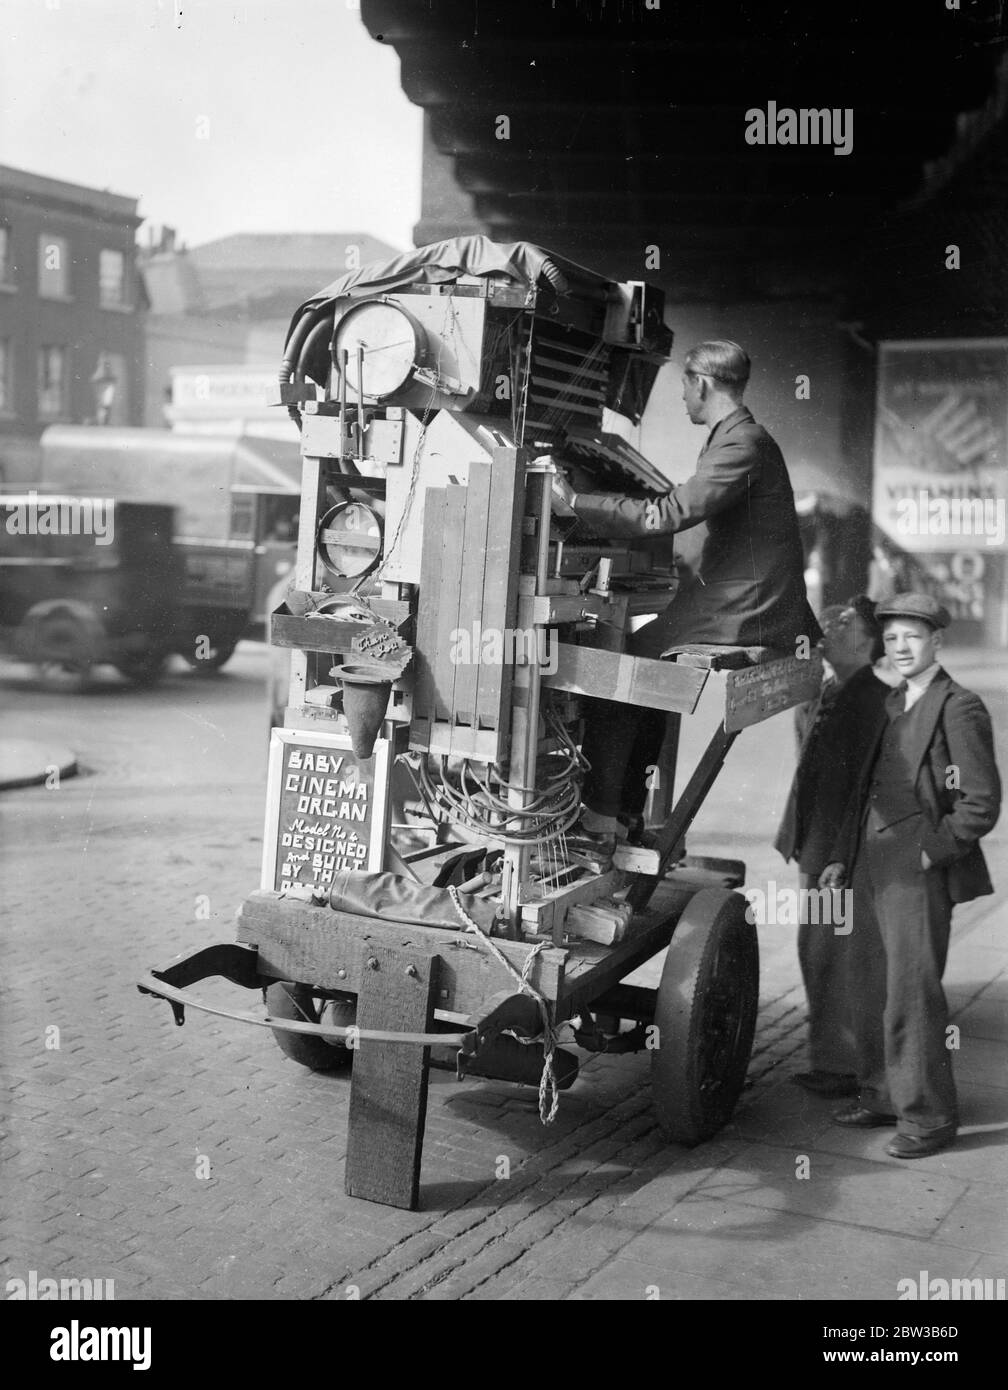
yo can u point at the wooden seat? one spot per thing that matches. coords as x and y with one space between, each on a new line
717 657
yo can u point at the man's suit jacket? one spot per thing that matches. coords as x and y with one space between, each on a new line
828 770
747 587
952 731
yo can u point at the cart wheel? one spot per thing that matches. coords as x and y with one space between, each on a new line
705 1011
286 999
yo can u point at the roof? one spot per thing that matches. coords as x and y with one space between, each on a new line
40 188
289 250
255 274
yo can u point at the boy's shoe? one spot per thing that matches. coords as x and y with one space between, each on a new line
860 1118
919 1145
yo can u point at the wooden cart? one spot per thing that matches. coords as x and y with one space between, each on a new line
379 1003
423 475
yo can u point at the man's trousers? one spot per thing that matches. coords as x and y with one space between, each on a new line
899 942
824 957
622 741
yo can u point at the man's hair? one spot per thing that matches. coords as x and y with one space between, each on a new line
864 607
723 360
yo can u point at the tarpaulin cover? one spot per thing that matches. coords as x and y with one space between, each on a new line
395 899
444 261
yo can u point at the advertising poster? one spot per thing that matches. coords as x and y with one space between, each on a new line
941 474
940 445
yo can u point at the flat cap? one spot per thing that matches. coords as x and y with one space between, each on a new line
913 605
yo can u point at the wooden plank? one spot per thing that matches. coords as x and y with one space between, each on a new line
659 799
544 912
447 601
318 634
388 1089
481 744
631 680
427 618
318 946
593 969
313 496
756 693
721 658
470 611
500 586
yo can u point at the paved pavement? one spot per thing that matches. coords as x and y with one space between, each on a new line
24 762
200 1163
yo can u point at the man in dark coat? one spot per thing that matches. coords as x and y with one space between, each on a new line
835 744
747 585
910 843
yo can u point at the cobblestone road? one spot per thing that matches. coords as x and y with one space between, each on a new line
199 1163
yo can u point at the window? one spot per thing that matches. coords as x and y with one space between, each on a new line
110 388
6 269
112 280
54 267
51 381
5 377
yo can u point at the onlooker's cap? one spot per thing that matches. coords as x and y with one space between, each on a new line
914 605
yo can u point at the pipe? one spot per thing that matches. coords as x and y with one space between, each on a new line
360 400
342 402
303 334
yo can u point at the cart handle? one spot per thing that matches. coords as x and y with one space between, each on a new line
180 999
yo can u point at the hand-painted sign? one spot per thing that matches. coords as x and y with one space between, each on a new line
325 811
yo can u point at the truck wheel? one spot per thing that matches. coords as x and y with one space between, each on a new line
219 654
286 999
705 1012
64 648
145 668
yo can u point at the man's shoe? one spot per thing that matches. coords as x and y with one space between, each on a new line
827 1083
595 835
857 1117
918 1146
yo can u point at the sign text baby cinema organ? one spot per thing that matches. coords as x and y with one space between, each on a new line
321 792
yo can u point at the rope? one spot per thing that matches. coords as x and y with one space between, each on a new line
549 1096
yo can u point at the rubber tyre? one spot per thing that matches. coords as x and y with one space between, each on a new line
64 647
705 1012
145 669
220 654
285 999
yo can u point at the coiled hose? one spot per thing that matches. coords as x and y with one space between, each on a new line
304 338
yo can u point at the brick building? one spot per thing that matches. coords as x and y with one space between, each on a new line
72 310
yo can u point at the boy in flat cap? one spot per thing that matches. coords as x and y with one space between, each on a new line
910 846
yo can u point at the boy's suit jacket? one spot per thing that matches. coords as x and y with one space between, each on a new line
828 770
953 743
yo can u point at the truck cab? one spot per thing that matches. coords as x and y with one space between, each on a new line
72 599
237 500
